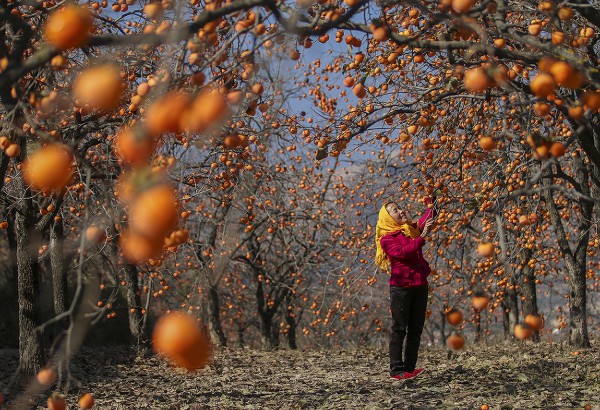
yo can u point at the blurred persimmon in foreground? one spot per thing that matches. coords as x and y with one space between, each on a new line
178 337
99 87
68 27
50 168
57 402
155 212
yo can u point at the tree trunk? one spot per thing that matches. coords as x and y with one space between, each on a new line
134 305
526 279
59 274
266 330
575 262
511 308
240 332
443 327
291 331
529 301
12 245
31 353
477 326
214 313
578 332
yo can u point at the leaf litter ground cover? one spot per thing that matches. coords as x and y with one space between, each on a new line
503 376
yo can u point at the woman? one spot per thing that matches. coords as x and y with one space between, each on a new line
399 251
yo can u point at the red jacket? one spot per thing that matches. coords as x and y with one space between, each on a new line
409 267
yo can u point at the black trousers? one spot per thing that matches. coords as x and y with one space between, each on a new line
408 307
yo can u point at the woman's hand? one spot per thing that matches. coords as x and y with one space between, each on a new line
426 229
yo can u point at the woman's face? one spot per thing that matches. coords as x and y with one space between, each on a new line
396 213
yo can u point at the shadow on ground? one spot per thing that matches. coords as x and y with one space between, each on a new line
503 376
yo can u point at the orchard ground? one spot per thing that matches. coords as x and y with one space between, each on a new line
502 376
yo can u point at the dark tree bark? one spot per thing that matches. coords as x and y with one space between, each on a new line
214 314
59 273
510 305
134 305
443 326
31 351
291 331
240 333
266 317
529 301
526 280
12 245
477 326
575 261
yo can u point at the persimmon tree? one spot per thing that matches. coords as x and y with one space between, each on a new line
450 78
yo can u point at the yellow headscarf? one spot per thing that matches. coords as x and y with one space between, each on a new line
386 224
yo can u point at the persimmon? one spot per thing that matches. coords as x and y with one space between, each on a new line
348 81
542 85
476 80
523 331
558 37
86 401
13 150
545 63
3 225
576 112
412 129
587 32
455 341
542 152
68 27
575 81
155 211
46 377
56 402
207 109
541 108
561 71
535 321
4 142
546 6
535 29
524 220
557 149
134 146
565 13
591 99
487 143
164 115
461 6
95 234
480 302
454 317
359 90
153 10
99 87
258 89
137 247
380 34
485 249
178 337
50 168
235 141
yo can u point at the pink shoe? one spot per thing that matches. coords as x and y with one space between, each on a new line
401 376
415 373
